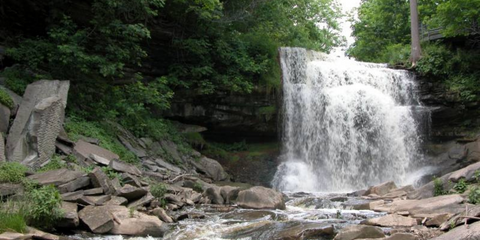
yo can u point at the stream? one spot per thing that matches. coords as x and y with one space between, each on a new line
309 215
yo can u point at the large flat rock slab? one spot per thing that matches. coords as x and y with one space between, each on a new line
260 198
447 204
469 232
56 177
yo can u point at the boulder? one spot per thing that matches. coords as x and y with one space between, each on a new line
99 160
402 236
115 200
93 192
260 198
162 214
15 236
2 149
97 200
17 100
128 140
31 138
131 193
124 167
131 179
83 150
437 220
381 189
468 232
97 218
458 219
148 198
229 194
174 199
70 216
4 119
392 220
162 163
359 231
211 168
37 234
213 193
473 151
170 148
10 189
135 223
74 185
465 173
450 204
72 196
306 231
100 179
56 177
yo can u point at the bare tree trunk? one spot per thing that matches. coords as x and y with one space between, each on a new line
416 49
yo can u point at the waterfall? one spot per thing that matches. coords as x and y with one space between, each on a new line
347 125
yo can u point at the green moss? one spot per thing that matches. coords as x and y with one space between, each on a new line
5 99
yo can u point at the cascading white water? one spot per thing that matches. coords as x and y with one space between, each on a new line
346 124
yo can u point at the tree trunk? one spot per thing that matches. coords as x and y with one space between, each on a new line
416 49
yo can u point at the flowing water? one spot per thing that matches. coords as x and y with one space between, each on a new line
347 125
317 216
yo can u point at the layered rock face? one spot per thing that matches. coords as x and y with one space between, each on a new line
31 139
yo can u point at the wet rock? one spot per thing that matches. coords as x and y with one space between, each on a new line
463 232
213 193
437 205
70 216
131 193
31 138
98 219
229 194
100 180
56 177
162 214
381 189
74 185
252 215
142 201
37 234
305 231
359 231
260 198
83 150
136 223
211 168
369 205
392 220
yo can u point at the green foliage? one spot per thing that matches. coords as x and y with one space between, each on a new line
12 172
460 186
158 191
17 78
54 164
5 99
474 195
197 187
380 24
112 174
12 222
438 187
45 203
77 127
194 138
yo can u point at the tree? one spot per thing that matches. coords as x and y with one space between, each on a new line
416 49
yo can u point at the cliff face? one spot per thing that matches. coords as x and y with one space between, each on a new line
229 117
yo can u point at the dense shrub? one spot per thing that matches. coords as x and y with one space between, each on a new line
44 206
11 221
158 190
438 187
5 99
12 172
474 195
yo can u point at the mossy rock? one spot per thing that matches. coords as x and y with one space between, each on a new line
6 100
